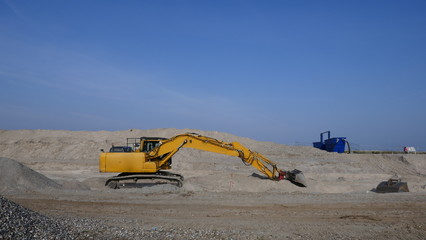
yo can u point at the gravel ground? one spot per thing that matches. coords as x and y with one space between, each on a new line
17 222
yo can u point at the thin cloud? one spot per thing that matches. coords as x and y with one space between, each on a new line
16 11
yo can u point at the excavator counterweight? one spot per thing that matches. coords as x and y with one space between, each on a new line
150 156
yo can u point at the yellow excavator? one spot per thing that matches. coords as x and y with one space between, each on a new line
149 157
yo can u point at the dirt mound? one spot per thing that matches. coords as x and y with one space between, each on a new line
31 146
15 177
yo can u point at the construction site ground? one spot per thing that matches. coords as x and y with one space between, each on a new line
55 173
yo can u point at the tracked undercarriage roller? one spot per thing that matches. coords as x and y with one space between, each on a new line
133 179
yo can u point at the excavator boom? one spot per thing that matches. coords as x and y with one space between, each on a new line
157 157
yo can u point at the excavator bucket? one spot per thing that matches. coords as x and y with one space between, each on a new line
392 185
296 177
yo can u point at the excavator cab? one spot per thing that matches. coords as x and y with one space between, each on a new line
144 144
149 143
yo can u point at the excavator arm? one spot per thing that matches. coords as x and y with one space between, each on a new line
169 147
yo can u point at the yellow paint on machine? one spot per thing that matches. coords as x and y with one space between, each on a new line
126 162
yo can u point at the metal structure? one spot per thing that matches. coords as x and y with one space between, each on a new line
336 144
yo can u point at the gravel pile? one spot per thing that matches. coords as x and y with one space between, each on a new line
17 222
16 177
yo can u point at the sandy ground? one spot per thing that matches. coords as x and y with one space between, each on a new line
220 193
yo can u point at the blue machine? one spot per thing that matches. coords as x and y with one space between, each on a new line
332 144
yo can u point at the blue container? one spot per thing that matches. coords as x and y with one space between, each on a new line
335 145
319 145
331 144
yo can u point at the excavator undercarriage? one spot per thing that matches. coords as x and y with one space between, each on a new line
124 180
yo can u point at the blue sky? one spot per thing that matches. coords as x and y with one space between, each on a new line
281 71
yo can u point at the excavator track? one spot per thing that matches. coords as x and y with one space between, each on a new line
125 180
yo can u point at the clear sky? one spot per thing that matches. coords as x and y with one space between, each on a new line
281 71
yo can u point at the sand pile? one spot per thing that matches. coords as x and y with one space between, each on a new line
45 145
15 177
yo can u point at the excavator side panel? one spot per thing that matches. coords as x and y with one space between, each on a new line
126 162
